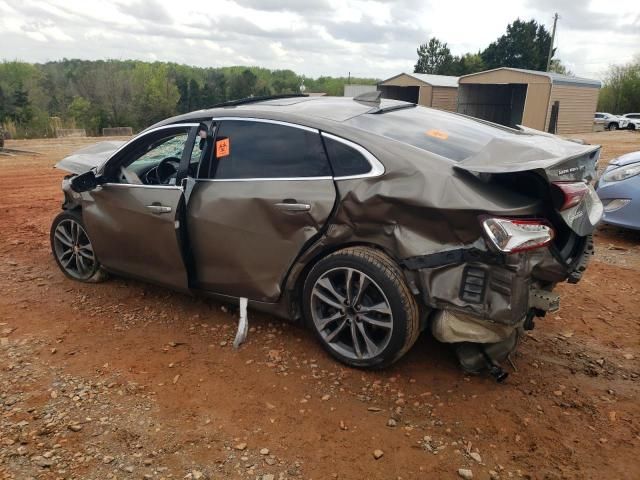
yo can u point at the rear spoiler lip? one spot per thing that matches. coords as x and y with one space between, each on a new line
544 165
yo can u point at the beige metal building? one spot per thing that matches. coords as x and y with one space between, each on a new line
542 100
437 91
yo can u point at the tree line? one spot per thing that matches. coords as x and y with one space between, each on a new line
114 93
524 45
620 93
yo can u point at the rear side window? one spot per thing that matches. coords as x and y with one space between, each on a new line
251 149
345 160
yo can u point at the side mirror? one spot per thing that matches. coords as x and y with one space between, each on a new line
85 182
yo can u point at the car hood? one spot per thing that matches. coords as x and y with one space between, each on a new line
626 159
86 158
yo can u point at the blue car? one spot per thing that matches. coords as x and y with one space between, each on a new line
619 190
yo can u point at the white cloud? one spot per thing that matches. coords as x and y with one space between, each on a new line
375 38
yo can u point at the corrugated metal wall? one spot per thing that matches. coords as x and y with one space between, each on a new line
355 90
445 98
503 76
426 91
535 106
402 80
577 107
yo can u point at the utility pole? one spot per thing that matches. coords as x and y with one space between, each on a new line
553 37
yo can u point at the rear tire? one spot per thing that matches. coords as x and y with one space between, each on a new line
72 248
360 308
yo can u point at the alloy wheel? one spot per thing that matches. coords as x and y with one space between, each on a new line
73 249
351 313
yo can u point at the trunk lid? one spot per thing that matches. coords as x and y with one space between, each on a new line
86 158
555 160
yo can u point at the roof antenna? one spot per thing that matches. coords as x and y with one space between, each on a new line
372 98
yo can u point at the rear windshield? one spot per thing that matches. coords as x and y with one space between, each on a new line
451 136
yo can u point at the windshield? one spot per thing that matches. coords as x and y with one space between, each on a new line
452 136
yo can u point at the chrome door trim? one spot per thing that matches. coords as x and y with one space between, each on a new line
377 168
135 185
274 179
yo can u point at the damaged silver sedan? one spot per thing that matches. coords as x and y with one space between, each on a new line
371 220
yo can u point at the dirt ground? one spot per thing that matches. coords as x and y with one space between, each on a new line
128 380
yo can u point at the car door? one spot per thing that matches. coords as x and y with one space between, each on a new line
266 193
134 225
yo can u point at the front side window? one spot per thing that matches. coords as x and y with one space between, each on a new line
252 149
152 159
167 147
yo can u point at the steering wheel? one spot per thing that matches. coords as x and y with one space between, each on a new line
165 169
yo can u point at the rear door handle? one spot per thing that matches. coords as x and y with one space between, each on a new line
293 206
159 209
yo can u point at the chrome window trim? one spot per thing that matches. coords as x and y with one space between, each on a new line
142 134
377 168
266 120
266 179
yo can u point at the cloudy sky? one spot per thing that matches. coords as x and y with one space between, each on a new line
375 38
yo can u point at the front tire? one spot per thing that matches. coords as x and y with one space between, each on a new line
612 127
359 306
72 248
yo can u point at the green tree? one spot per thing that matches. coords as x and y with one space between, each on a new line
621 91
80 111
243 85
525 45
558 67
214 90
155 95
433 57
21 110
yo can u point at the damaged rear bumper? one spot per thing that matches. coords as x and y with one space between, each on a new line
481 297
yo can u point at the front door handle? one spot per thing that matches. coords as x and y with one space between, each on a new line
293 206
159 209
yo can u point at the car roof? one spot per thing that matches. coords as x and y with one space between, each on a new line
334 109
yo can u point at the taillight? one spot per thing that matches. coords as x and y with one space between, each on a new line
573 193
512 235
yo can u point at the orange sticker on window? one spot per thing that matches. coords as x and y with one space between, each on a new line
437 134
222 148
